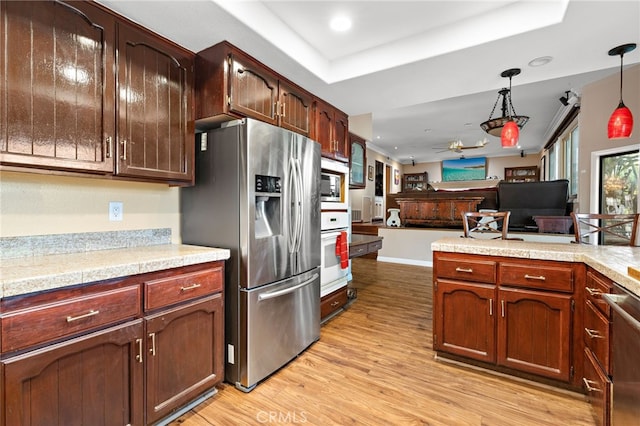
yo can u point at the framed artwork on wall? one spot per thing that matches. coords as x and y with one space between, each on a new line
370 173
396 177
464 169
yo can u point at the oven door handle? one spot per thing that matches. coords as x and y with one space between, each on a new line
278 293
612 300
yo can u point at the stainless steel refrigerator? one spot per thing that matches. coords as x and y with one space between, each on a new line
257 194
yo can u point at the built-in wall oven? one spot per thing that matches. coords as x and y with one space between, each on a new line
334 254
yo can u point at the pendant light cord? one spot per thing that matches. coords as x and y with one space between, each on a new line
621 56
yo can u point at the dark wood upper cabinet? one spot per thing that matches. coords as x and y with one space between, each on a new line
231 84
296 108
59 98
58 87
331 131
357 162
155 127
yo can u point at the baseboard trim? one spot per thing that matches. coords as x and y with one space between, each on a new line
415 262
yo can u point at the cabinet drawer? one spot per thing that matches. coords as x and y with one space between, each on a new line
356 251
40 324
178 288
333 302
596 335
537 276
598 389
483 271
375 246
595 287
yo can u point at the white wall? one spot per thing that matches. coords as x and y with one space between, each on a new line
495 166
40 204
598 101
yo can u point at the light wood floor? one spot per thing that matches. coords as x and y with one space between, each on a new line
374 365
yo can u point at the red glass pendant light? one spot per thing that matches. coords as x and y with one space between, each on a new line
510 135
621 121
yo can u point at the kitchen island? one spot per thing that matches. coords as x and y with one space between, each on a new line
611 261
533 310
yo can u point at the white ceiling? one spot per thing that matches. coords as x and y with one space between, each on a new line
428 72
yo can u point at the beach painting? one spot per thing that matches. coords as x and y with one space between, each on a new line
464 169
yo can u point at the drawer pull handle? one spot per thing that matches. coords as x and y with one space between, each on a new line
334 304
593 291
467 270
139 354
79 317
589 385
191 287
593 334
534 277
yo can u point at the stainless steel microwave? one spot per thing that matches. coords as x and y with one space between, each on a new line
332 187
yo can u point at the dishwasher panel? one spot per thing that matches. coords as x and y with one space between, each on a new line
626 347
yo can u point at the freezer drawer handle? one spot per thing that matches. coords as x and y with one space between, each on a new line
612 300
279 293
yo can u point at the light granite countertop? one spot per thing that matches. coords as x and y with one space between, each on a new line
29 274
612 261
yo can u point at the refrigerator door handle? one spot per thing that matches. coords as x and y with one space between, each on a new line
292 189
300 206
278 293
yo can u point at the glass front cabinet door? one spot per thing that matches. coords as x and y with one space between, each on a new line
358 162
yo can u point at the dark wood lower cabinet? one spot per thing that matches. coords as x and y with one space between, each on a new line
333 302
521 319
534 330
466 321
95 379
184 354
133 373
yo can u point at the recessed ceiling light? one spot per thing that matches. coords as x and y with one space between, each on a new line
340 23
542 60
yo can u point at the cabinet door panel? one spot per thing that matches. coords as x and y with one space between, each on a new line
253 91
324 128
184 354
341 136
91 380
534 332
295 113
156 124
464 321
60 93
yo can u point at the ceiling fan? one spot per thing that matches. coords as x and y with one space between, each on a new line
457 146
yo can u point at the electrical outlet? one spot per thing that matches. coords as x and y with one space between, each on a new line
115 211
